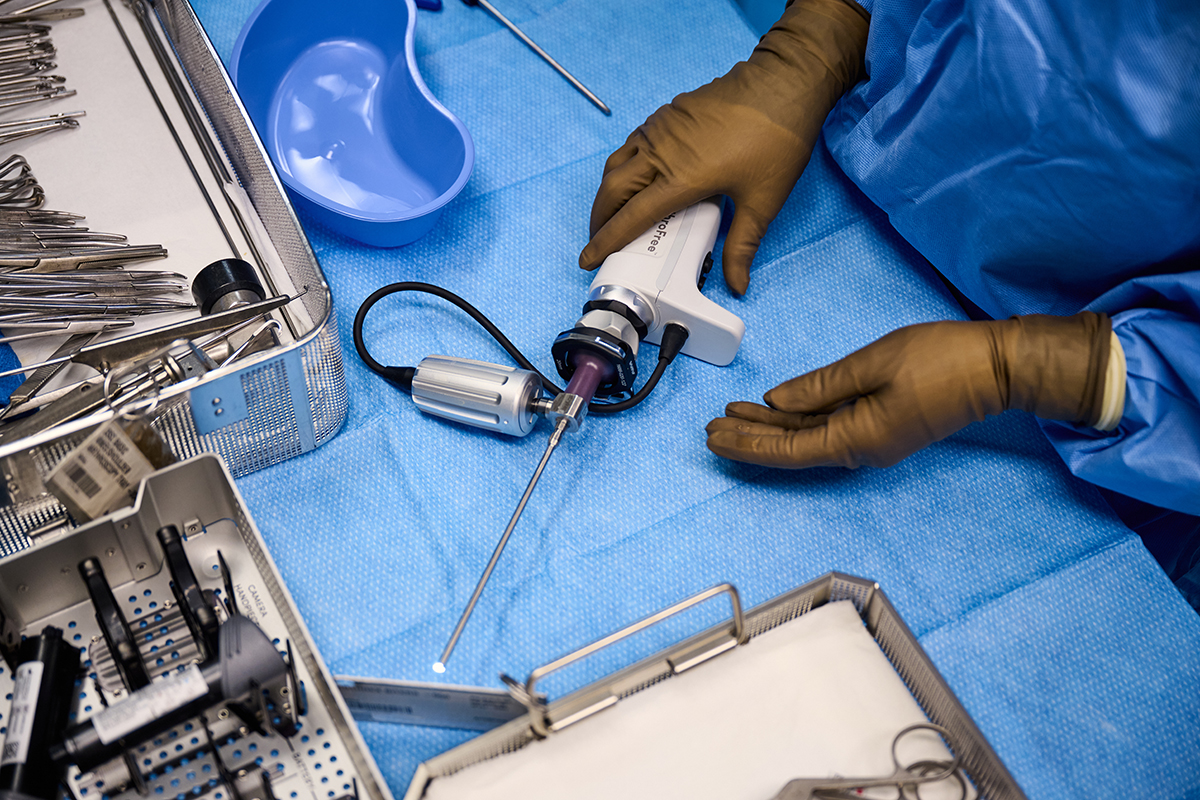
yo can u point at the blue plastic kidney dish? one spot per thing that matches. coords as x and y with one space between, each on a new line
357 137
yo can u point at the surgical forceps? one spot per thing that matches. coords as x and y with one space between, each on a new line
106 282
83 300
38 11
32 91
102 356
22 128
906 780
22 398
149 358
64 278
64 328
25 43
67 259
167 365
25 56
39 229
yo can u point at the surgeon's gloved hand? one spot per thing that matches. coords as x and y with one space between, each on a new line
748 135
919 384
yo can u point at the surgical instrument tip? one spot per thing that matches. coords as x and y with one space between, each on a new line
545 56
559 429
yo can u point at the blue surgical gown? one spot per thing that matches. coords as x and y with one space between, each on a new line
1044 155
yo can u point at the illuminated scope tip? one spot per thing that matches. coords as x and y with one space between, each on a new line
439 667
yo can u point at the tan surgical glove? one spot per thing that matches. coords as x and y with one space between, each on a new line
748 135
917 385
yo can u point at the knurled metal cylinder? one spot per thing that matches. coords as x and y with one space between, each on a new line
476 393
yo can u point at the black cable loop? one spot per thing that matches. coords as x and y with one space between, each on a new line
497 334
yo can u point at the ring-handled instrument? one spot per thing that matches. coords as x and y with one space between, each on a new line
38 12
19 188
144 377
907 780
102 356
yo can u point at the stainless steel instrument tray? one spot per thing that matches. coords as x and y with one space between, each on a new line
991 779
41 586
163 113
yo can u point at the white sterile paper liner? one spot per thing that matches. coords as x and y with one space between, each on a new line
815 697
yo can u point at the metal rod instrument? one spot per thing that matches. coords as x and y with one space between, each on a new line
545 56
103 355
555 438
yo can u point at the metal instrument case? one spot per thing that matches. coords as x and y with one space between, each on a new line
289 398
991 779
41 586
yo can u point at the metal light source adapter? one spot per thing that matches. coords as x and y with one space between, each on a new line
489 396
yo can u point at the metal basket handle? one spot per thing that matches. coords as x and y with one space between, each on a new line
524 693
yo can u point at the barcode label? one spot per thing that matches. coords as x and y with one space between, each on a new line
150 703
99 475
78 476
27 683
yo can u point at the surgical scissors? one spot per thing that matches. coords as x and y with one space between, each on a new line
22 128
154 361
59 277
19 189
66 259
906 780
25 56
103 355
68 329
22 398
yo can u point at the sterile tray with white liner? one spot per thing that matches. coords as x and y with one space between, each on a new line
815 683
325 759
166 155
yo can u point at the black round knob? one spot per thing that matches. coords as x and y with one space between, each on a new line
222 277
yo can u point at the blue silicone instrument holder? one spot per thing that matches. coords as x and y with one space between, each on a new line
358 139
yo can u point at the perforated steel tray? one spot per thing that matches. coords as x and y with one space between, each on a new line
42 586
991 779
163 113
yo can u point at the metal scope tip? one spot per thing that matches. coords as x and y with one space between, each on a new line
439 667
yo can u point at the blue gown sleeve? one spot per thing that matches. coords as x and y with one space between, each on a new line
1154 453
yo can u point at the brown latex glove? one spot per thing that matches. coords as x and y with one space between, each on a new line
917 385
748 135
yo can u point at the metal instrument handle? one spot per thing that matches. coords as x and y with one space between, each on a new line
269 325
906 780
132 406
537 717
102 355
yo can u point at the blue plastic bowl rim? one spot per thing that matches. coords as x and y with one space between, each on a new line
410 59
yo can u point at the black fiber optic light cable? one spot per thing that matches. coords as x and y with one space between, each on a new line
674 337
